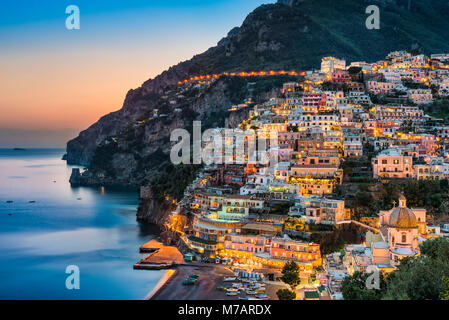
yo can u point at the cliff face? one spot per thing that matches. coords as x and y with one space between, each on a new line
291 34
153 212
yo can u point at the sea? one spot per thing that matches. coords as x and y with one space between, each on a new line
66 243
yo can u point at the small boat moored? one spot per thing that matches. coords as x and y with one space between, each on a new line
230 279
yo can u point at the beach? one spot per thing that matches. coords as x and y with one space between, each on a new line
210 277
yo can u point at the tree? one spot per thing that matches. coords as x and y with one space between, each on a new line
445 294
421 278
292 279
290 274
290 267
285 294
436 249
355 287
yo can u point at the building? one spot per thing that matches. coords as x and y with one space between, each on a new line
237 207
436 169
311 102
325 121
352 143
331 64
420 96
391 163
287 249
398 113
443 90
319 210
316 176
377 87
271 251
426 143
340 76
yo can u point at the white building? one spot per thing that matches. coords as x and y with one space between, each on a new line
331 64
420 96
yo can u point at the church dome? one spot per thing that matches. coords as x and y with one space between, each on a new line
403 217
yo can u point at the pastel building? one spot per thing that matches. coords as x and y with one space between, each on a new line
287 249
319 210
420 96
391 163
340 76
398 113
237 207
272 251
377 87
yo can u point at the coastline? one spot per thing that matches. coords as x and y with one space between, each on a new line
168 275
29 176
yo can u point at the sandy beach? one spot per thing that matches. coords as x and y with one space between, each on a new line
211 276
169 274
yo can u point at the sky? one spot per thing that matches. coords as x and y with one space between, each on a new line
55 82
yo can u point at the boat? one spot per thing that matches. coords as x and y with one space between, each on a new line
194 276
9 201
31 201
189 282
232 290
19 149
230 279
232 294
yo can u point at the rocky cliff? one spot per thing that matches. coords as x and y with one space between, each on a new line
153 211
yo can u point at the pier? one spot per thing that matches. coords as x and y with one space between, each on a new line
161 257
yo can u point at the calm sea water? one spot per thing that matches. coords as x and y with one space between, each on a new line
98 233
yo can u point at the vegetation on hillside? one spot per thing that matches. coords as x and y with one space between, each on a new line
278 36
372 197
172 181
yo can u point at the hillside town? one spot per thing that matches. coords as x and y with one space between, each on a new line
342 132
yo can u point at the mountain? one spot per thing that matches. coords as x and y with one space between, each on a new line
291 34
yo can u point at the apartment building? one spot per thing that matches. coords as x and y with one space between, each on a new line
391 163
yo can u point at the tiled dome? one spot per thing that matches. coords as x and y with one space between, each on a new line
403 217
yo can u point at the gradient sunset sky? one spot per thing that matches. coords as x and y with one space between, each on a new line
55 82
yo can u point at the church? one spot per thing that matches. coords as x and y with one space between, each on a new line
402 230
